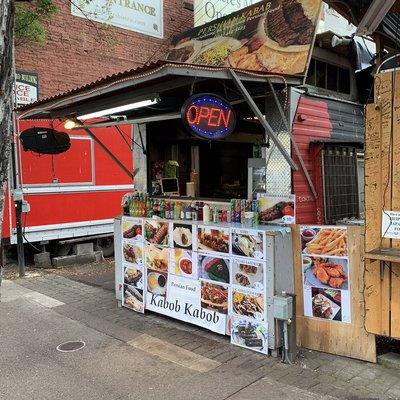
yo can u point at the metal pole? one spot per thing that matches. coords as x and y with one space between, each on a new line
107 150
262 120
18 214
20 239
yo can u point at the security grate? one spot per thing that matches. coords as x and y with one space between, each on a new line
339 166
279 173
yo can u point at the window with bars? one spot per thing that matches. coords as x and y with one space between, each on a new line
341 197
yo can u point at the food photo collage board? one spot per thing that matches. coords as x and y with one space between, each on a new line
211 276
326 273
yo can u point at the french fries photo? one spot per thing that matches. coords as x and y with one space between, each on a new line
330 242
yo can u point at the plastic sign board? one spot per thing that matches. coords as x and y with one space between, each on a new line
143 16
26 87
208 116
263 37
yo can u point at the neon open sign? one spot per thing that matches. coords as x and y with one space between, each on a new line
208 116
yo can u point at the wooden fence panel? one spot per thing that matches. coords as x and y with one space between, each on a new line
382 193
351 340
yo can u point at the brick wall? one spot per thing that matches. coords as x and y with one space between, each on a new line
74 56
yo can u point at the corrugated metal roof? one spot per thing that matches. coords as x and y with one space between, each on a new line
107 79
144 71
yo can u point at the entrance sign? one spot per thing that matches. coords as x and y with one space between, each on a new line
26 87
263 37
143 16
208 116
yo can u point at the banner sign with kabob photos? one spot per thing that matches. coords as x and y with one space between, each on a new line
269 36
134 276
210 276
325 271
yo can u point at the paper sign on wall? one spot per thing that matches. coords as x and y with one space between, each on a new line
326 273
391 224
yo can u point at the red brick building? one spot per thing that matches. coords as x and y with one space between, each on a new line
75 53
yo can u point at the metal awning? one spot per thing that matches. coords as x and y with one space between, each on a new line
172 84
172 80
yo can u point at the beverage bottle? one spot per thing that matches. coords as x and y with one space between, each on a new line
188 212
182 212
133 214
143 206
206 213
195 211
232 211
200 211
237 211
215 214
242 210
148 205
130 205
172 210
154 207
158 208
162 209
167 208
224 216
177 211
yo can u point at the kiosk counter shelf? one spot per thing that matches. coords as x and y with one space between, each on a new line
220 276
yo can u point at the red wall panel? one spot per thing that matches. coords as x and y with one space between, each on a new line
59 208
311 122
73 166
107 171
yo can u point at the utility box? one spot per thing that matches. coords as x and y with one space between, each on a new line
283 307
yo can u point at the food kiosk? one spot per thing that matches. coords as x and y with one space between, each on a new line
213 259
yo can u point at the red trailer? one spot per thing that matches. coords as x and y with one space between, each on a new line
73 194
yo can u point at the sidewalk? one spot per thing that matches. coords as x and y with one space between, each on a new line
132 356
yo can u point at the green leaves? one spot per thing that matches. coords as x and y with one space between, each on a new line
30 20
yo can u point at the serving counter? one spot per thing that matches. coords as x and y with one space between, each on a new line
220 276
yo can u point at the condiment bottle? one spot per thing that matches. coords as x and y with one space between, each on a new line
188 212
195 212
200 214
206 213
215 215
177 210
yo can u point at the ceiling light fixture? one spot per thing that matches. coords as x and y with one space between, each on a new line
70 124
114 110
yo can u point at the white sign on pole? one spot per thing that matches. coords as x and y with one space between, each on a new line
208 10
143 16
391 224
26 87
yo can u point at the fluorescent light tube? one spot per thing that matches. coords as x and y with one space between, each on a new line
114 110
